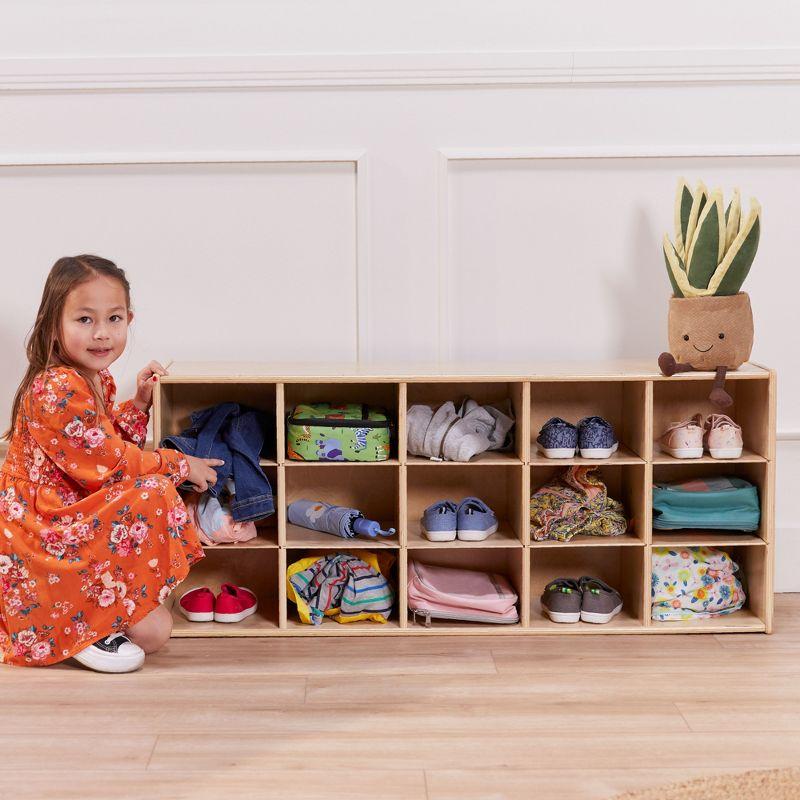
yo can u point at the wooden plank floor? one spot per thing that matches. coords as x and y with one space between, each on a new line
440 718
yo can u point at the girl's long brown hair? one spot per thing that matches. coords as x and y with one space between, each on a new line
44 347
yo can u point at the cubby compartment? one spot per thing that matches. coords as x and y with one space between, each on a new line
434 394
678 470
625 482
177 401
509 562
372 489
680 398
255 569
389 563
266 528
383 395
622 403
500 487
622 568
755 615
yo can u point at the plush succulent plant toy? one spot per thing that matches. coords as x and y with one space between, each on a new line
710 319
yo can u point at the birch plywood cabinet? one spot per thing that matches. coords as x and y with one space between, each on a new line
636 400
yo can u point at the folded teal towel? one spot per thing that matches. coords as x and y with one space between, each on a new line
719 503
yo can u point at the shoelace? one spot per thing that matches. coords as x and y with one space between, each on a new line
110 639
720 421
673 426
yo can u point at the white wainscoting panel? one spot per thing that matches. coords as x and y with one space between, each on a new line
253 260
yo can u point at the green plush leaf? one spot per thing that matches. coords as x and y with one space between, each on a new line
742 251
698 201
704 255
733 219
701 206
676 270
675 288
686 209
683 208
741 262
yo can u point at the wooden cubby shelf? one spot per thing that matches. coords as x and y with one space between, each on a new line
637 400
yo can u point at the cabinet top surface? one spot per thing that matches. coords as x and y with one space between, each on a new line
294 371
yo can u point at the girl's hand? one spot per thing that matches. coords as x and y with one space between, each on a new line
145 381
201 475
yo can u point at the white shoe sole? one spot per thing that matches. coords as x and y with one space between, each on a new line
439 536
683 452
476 536
599 452
197 616
556 452
235 617
726 452
599 619
99 661
563 616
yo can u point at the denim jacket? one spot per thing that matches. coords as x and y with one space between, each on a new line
235 435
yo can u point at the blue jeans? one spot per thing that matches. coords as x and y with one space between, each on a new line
235 435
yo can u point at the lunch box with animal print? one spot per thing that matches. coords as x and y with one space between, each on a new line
338 432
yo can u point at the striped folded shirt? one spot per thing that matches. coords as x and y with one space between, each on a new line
343 582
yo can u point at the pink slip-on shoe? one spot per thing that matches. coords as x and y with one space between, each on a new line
197 605
684 439
723 437
234 603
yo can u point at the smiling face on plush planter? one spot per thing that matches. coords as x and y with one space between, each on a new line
711 332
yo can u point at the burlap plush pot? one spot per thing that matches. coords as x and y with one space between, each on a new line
711 332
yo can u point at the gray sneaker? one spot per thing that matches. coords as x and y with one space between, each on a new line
599 602
561 600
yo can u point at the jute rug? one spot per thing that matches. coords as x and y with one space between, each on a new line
774 784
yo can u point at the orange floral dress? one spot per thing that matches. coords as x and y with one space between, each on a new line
93 532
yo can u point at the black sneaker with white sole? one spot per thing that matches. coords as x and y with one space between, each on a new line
115 653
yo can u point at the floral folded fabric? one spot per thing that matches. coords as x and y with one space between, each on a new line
694 583
575 502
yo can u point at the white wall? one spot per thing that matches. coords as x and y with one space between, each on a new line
95 27
408 181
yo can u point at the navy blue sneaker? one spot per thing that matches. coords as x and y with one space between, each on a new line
596 438
557 438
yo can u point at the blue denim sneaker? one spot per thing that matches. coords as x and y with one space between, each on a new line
439 521
476 521
557 438
596 438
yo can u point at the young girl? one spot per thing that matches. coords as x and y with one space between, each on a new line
93 533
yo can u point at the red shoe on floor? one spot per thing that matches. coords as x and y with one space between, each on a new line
197 605
234 603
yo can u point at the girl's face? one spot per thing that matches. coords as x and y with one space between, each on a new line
94 324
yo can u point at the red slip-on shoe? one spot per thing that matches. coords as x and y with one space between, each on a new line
234 603
197 605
